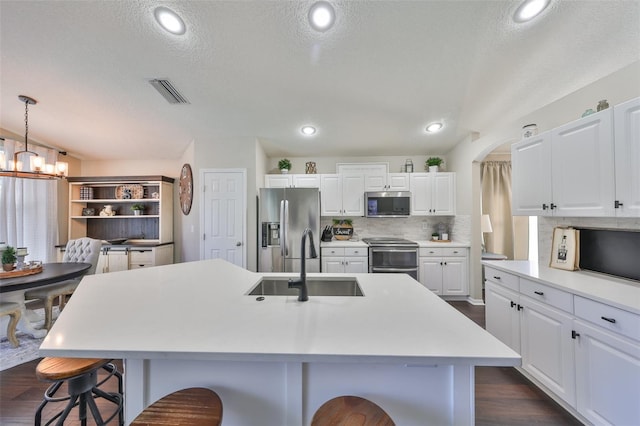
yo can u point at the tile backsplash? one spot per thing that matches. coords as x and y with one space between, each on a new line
411 228
546 225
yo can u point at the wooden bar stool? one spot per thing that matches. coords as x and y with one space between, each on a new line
13 310
350 411
192 406
81 375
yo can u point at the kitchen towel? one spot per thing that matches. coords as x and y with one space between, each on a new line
565 249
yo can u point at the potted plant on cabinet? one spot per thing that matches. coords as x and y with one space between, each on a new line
284 165
137 209
342 229
432 164
9 258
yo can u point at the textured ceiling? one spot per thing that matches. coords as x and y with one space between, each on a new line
254 69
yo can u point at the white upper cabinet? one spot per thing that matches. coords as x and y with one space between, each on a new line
398 181
568 171
531 175
627 158
342 195
292 181
582 169
433 194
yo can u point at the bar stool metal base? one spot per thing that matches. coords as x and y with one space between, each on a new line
83 390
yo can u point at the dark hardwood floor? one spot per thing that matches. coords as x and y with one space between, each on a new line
503 396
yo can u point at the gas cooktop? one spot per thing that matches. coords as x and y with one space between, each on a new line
389 241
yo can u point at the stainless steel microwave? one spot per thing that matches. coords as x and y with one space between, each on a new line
387 203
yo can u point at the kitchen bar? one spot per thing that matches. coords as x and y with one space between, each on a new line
277 360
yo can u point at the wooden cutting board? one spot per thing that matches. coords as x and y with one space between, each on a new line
20 272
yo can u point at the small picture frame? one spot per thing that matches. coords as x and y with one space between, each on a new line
88 211
565 249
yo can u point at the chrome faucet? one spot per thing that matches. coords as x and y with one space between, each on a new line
301 283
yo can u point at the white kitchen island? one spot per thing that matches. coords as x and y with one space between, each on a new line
275 361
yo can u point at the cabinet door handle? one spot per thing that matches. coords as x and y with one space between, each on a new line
611 320
574 334
539 293
618 204
544 206
496 277
440 263
520 307
553 206
455 252
445 263
513 303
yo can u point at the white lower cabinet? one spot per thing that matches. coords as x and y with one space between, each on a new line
585 353
445 271
345 260
607 353
546 347
112 261
502 316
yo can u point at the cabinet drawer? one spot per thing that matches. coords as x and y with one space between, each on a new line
545 294
356 251
508 280
454 251
609 317
431 251
140 265
140 256
332 251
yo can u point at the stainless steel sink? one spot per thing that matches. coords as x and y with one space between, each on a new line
316 287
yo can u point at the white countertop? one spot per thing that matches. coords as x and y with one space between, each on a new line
198 310
621 293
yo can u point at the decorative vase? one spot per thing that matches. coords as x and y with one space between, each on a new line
137 212
284 171
342 231
433 169
7 267
310 168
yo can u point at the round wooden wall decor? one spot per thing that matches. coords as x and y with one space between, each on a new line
185 191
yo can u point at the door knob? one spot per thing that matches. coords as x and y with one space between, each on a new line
238 244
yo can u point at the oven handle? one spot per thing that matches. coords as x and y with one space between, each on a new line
379 269
392 250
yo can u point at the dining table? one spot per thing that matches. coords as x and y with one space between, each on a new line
12 290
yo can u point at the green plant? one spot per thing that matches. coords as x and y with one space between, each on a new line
433 161
348 222
137 206
284 164
9 256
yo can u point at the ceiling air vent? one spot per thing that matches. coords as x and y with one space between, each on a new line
170 93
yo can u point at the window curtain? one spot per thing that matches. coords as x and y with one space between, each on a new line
510 234
29 208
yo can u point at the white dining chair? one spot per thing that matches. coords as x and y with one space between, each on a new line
82 250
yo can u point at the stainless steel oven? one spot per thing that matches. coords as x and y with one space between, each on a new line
393 255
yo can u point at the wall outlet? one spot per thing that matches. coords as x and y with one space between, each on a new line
425 226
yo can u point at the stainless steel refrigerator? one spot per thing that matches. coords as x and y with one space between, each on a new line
283 215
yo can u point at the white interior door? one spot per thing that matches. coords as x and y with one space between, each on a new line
223 215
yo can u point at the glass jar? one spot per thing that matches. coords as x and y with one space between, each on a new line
408 166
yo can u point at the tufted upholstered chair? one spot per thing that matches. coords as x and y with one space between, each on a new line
82 250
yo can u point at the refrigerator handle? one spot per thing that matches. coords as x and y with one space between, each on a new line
286 228
283 229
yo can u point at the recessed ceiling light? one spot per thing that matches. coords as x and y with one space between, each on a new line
308 130
434 127
529 9
169 20
321 16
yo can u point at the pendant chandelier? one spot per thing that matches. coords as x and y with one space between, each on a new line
28 164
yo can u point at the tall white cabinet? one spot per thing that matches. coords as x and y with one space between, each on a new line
627 158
